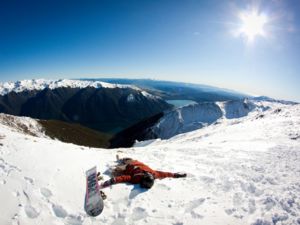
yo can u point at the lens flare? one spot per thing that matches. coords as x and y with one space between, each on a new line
252 25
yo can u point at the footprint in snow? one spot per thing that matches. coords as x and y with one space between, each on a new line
2 167
196 215
238 199
31 212
7 168
279 218
251 188
262 222
251 206
74 220
3 182
227 185
46 192
230 211
269 203
257 178
59 211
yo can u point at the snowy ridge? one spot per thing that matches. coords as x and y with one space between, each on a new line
186 119
40 84
242 171
24 125
196 116
268 99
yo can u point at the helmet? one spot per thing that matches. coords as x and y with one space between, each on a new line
147 180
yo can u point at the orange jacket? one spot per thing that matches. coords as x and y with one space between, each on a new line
134 173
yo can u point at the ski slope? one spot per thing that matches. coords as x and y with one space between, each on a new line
240 171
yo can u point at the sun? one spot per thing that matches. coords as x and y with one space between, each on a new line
252 25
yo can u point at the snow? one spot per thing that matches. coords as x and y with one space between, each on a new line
240 171
196 116
147 95
22 124
186 119
40 84
130 98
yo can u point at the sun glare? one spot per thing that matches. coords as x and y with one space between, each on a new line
252 25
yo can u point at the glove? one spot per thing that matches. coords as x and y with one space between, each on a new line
179 175
108 183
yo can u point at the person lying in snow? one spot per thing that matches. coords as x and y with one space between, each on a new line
135 172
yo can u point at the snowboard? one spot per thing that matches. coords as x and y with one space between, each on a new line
93 200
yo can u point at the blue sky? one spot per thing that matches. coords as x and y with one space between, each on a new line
194 41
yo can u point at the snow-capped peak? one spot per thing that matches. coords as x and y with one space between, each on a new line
40 84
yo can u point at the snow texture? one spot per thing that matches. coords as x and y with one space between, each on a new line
240 171
40 84
22 124
196 116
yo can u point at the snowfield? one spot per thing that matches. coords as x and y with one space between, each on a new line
240 171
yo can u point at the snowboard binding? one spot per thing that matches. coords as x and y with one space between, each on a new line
103 195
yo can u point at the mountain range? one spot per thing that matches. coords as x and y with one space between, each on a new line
114 113
97 105
106 109
170 90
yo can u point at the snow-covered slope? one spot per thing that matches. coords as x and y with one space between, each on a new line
195 116
24 125
40 84
186 119
240 171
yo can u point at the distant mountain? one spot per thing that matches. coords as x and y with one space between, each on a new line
101 106
169 90
186 119
268 99
41 84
